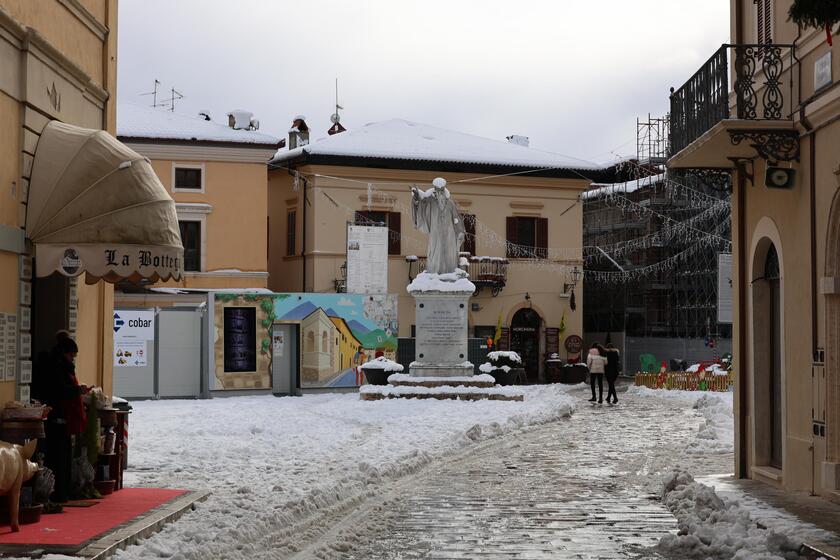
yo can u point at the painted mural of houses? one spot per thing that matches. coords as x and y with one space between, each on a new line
318 334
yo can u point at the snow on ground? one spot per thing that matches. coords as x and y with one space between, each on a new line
273 463
717 434
711 526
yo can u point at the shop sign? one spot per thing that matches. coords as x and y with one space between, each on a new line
573 344
71 263
132 331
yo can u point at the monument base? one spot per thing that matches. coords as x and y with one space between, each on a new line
417 369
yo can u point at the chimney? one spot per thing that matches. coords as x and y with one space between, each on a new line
240 120
204 114
299 133
518 140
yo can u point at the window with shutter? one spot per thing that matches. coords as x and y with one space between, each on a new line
510 235
469 238
764 21
541 238
391 219
527 237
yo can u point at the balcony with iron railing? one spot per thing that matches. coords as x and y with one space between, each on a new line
485 272
724 114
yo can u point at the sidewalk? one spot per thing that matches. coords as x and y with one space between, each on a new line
810 509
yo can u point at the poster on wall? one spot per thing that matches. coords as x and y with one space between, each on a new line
133 330
724 305
367 259
240 339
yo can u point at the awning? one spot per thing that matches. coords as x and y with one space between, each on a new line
97 206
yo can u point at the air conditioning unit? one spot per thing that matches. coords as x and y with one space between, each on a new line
779 177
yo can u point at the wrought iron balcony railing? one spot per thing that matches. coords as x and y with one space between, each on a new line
703 100
485 272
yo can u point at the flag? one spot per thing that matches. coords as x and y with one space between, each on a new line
498 335
562 328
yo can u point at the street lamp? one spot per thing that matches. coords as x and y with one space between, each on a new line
575 274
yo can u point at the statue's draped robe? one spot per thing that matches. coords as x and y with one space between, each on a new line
444 225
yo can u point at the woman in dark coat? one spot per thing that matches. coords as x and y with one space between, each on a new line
611 371
62 393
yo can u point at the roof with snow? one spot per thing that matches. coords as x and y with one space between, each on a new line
387 142
600 189
134 121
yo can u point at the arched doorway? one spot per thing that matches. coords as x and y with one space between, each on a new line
525 340
768 386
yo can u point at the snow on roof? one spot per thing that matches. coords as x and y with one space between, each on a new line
406 140
134 121
599 189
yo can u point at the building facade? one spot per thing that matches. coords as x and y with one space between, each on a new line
58 60
765 110
216 173
524 224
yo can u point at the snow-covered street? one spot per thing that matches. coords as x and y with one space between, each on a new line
331 476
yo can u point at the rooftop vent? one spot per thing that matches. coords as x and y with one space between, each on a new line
299 133
518 140
204 114
242 120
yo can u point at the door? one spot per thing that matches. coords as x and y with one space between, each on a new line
525 340
284 363
179 353
772 274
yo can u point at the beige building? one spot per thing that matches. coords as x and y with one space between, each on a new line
766 110
58 65
216 172
523 226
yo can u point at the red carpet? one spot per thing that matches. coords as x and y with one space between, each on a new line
75 526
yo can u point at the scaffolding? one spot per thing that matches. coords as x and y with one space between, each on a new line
627 221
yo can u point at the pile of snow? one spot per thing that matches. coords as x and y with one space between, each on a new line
716 436
497 354
487 367
714 369
627 187
274 464
715 527
457 281
382 363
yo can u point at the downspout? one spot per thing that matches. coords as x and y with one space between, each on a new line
743 455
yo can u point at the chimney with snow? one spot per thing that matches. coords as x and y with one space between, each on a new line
241 120
299 133
518 140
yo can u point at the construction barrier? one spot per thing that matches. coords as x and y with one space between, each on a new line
685 381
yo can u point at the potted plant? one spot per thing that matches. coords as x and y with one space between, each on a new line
501 366
819 14
378 370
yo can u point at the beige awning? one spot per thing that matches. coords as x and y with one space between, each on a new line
97 206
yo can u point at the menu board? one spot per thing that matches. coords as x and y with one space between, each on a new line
552 340
240 339
367 259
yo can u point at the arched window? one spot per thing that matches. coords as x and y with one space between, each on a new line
310 341
324 341
771 264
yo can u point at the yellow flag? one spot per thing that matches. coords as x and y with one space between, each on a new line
498 335
562 324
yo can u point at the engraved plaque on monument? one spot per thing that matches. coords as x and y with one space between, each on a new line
441 329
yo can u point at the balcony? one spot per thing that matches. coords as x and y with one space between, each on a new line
485 272
710 131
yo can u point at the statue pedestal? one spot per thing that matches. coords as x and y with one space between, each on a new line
440 308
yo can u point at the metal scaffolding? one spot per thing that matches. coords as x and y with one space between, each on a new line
642 223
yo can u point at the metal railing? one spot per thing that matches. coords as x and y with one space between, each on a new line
703 100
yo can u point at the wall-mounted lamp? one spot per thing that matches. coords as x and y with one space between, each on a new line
475 307
575 275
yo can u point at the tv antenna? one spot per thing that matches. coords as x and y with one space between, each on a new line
154 93
335 118
175 95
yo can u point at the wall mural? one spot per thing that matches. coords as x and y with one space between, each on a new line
337 333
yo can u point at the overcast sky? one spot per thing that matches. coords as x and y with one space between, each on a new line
573 76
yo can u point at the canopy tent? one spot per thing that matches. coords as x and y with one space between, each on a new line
97 206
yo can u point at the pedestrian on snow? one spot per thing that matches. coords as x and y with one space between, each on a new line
597 363
611 371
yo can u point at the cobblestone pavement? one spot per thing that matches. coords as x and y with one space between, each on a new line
580 488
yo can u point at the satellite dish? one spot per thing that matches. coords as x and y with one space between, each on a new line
335 118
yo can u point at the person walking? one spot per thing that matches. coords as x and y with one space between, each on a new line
611 371
596 362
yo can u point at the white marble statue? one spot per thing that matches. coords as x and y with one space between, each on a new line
435 213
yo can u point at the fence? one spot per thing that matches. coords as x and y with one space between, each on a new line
684 381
